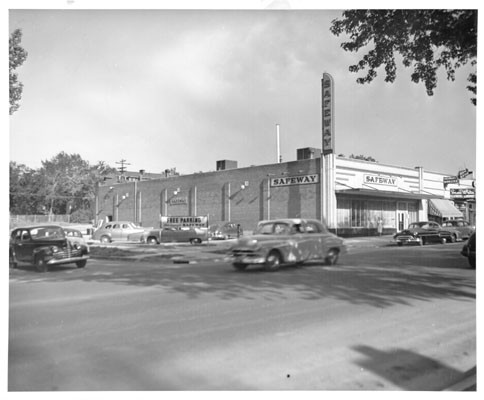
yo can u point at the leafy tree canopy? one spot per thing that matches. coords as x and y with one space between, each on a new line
17 56
359 157
64 184
426 39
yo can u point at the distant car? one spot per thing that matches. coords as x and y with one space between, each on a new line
287 241
423 233
74 236
469 250
225 230
43 246
175 234
118 231
461 229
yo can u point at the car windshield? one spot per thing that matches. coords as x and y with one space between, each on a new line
47 233
273 228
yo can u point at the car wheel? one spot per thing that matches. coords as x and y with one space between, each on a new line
399 243
40 264
151 240
423 241
332 257
453 239
273 261
196 241
240 266
81 264
105 239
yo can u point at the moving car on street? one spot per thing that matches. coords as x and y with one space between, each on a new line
118 231
43 246
469 250
287 241
423 233
175 234
460 229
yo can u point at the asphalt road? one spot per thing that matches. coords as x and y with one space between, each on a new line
383 319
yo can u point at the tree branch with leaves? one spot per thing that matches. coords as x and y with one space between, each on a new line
17 56
426 39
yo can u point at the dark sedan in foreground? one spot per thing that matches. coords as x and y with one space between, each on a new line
287 241
43 246
423 233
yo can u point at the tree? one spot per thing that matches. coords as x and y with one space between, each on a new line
25 185
360 157
426 39
17 56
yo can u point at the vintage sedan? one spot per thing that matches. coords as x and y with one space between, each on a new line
460 229
118 231
469 250
287 241
422 233
175 234
43 246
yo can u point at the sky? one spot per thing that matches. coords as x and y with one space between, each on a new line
183 88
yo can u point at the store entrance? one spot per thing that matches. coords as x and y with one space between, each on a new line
402 219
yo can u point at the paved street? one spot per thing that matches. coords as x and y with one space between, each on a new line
386 318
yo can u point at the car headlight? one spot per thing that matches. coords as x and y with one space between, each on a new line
54 249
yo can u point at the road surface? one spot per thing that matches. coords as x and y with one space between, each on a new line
383 319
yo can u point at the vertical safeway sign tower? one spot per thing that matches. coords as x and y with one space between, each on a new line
328 196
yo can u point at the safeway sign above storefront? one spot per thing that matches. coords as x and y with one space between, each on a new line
295 180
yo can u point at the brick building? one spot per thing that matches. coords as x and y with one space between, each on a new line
351 195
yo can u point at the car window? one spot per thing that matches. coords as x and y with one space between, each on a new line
116 226
312 228
281 229
108 227
265 229
460 223
125 226
25 235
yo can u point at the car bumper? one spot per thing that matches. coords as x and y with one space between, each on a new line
55 261
247 259
407 239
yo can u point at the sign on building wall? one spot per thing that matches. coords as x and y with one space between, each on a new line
328 113
463 193
201 221
379 180
295 180
178 200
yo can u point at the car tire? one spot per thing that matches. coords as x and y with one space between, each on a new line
240 266
196 241
453 239
332 257
273 261
81 264
105 239
40 264
151 240
423 241
399 244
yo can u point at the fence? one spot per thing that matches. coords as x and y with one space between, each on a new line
23 220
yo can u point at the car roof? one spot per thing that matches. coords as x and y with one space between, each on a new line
39 226
289 221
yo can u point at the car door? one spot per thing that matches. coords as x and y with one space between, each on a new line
116 233
314 243
23 245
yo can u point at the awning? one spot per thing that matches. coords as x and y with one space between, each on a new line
443 208
386 194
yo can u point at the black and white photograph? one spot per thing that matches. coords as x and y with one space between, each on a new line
270 196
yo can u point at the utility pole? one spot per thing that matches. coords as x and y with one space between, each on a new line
122 168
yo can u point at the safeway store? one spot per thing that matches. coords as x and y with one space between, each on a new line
354 197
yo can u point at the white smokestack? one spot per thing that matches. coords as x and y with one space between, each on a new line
278 145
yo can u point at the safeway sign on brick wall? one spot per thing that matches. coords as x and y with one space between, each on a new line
295 180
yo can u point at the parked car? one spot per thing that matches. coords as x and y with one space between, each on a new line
175 234
287 241
225 230
75 236
469 250
423 233
43 246
460 229
118 231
